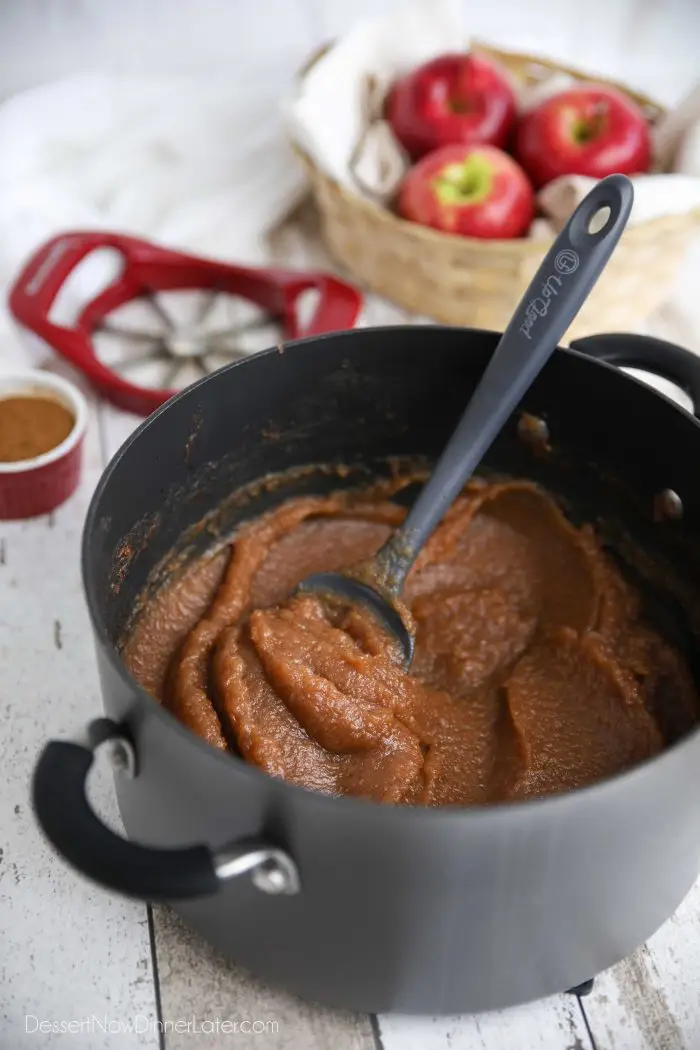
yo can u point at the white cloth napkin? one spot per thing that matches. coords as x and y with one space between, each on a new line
654 195
197 164
676 138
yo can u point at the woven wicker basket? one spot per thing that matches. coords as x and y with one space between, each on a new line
465 281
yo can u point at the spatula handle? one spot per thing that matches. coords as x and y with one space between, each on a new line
554 297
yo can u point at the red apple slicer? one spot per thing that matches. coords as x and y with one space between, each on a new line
163 318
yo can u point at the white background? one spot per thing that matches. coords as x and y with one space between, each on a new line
655 43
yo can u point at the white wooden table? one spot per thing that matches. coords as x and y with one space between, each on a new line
70 952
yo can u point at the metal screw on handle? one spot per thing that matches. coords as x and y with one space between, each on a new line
272 870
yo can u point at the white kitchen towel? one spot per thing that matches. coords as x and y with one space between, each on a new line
654 195
193 163
676 137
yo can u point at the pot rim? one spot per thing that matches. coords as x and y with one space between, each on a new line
453 813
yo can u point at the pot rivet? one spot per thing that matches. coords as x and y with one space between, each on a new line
534 432
270 877
121 756
668 506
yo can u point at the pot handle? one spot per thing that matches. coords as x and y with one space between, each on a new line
77 833
649 354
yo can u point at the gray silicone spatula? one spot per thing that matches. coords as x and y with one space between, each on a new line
556 294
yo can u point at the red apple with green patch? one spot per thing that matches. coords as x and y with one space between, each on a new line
474 191
461 98
589 130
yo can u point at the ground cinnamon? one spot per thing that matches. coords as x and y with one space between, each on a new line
30 426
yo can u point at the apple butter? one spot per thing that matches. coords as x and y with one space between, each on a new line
534 672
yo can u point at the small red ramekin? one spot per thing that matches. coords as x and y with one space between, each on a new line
30 487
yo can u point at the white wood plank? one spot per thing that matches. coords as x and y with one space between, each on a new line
552 1024
115 427
198 986
70 952
651 1000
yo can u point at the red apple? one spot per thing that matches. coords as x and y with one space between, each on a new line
454 98
589 130
475 191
